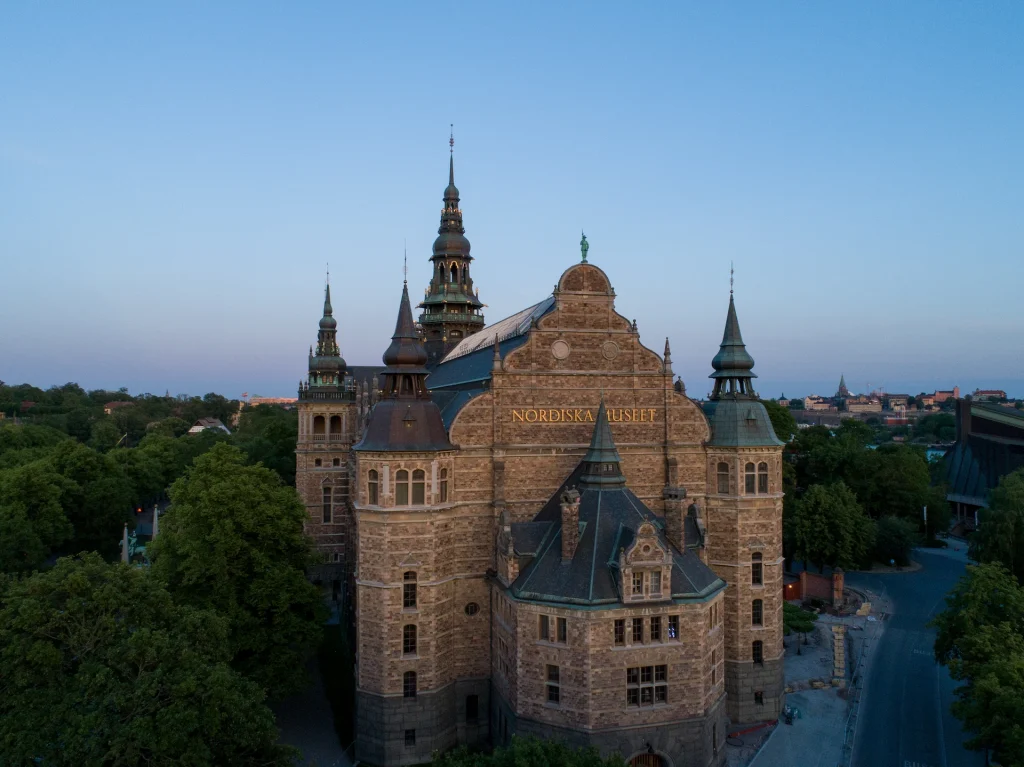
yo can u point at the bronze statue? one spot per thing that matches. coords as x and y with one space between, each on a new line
584 247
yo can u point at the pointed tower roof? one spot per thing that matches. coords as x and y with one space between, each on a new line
406 353
451 235
601 465
733 365
328 321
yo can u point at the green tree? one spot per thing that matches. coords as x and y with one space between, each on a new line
233 542
268 435
830 528
168 427
894 538
935 427
783 421
528 752
98 667
796 620
980 638
796 404
32 520
105 434
1000 533
143 472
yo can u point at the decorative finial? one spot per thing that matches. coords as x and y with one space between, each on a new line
405 263
730 277
584 246
328 272
451 139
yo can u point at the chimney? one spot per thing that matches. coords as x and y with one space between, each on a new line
570 523
675 516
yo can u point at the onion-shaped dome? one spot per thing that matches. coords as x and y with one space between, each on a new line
327 364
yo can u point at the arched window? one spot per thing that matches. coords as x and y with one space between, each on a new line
319 424
465 273
455 272
335 427
401 488
409 639
327 504
409 591
372 488
758 652
419 487
407 386
440 272
756 570
757 613
750 480
723 478
443 482
409 684
762 477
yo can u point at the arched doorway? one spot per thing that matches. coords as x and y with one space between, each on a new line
646 759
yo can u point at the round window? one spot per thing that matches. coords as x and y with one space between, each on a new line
472 608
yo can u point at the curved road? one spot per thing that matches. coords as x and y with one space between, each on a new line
904 718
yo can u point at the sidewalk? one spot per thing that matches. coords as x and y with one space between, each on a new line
306 722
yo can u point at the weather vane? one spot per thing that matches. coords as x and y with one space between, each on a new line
328 272
451 139
730 277
405 262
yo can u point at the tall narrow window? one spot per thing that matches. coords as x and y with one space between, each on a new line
714 668
762 477
373 488
401 488
409 591
410 738
638 584
756 570
545 628
409 684
757 613
757 651
620 632
750 480
673 627
563 630
409 639
442 479
472 708
656 583
554 692
656 628
327 504
419 484
723 478
637 631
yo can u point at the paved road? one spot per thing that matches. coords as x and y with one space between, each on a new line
904 718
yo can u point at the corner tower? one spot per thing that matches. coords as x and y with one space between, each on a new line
451 308
328 424
744 530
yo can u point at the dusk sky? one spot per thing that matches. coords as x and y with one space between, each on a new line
174 178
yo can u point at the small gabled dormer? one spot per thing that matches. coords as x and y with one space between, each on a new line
646 567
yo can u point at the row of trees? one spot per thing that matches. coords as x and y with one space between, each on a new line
106 664
848 504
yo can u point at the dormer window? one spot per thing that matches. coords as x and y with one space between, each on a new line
656 583
638 584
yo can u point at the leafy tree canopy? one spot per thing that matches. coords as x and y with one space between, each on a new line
233 542
783 421
894 539
830 528
32 520
1000 533
98 667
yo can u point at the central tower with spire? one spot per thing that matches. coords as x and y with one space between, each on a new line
451 308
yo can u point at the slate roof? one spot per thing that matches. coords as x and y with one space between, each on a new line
516 325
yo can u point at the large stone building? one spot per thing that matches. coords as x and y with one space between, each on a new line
540 533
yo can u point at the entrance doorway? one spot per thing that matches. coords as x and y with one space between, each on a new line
646 760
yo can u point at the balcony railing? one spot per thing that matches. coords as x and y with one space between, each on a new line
475 319
328 437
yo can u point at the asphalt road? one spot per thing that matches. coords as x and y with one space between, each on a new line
904 718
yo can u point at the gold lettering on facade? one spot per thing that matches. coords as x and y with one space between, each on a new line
582 415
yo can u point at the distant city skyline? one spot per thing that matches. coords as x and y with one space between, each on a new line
173 182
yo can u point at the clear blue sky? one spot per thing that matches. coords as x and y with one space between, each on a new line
174 177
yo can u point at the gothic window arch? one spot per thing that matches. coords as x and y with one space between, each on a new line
762 477
723 478
419 487
401 487
749 479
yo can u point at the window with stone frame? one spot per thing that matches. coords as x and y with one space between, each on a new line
638 584
757 652
646 685
317 462
401 487
562 627
372 488
409 639
656 583
673 627
442 481
750 480
327 504
620 632
336 462
409 591
756 569
544 630
419 487
762 477
723 478
637 631
409 684
656 628
714 668
554 686
757 613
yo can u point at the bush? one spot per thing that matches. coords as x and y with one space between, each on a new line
894 539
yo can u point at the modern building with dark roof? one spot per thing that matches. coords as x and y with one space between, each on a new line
535 531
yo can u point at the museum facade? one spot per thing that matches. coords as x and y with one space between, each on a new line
539 532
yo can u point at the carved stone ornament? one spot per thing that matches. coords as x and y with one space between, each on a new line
559 349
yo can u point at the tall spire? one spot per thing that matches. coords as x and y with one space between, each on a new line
405 375
733 365
601 463
326 367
